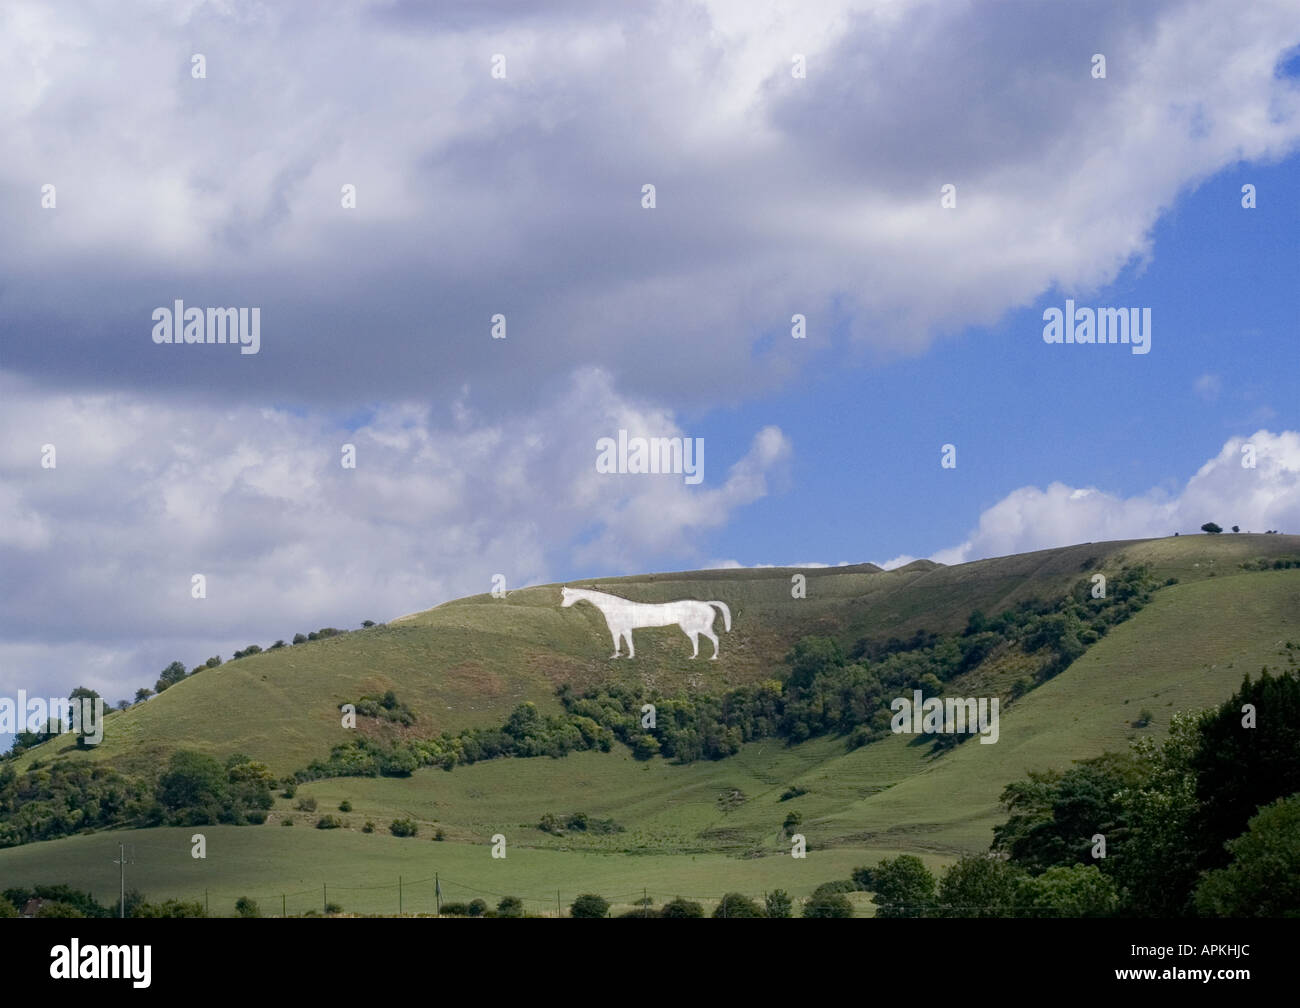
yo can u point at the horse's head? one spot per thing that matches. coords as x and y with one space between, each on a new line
568 597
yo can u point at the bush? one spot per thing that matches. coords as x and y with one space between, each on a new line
306 805
329 822
588 905
778 904
246 907
345 806
170 908
794 791
369 827
455 910
404 827
438 834
290 789
828 905
476 908
57 908
681 908
333 908
7 909
737 905
287 821
510 906
792 822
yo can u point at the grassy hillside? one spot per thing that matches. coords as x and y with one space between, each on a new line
707 827
469 662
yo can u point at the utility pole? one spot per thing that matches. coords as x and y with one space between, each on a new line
558 911
121 863
437 895
399 895
325 895
283 911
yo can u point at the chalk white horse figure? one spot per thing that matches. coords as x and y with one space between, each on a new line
623 616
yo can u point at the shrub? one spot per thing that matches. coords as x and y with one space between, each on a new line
329 822
1144 718
737 905
828 905
170 908
588 905
404 827
455 910
345 806
287 821
256 816
778 903
438 834
681 908
57 908
333 908
792 822
476 908
290 789
246 907
369 827
510 906
306 805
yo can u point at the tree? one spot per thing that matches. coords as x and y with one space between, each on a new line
979 887
299 638
778 903
1211 528
122 704
170 676
737 905
76 696
367 624
1240 769
1075 891
246 907
1236 528
812 656
143 694
510 906
588 905
904 887
828 905
7 909
792 822
681 908
192 781
1263 879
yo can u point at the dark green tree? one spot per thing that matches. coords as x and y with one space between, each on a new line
904 887
1263 879
588 905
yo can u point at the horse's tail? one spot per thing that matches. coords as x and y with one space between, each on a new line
726 614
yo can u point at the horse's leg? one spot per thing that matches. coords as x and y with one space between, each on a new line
631 652
616 634
713 637
694 635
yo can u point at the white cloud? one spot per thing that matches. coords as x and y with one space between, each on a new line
1208 386
1222 491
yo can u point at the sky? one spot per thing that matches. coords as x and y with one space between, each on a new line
381 180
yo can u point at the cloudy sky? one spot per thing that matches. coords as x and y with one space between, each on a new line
497 153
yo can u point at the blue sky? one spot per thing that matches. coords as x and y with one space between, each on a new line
478 194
